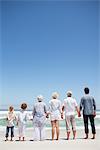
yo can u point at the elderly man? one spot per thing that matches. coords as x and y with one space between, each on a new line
70 106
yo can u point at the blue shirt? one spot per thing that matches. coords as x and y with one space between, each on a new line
88 105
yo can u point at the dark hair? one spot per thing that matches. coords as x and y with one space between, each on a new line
23 106
86 90
11 108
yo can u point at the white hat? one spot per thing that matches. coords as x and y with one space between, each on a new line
69 93
40 98
55 95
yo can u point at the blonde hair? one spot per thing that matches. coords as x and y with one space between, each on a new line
55 95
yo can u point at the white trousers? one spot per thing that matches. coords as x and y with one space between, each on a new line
21 130
39 133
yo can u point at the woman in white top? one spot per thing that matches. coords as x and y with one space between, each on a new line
55 114
39 119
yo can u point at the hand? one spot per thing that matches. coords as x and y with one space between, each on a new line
79 114
94 114
47 115
62 116
17 123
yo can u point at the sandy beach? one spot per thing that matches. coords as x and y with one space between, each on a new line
78 144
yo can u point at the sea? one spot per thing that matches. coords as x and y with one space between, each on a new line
79 121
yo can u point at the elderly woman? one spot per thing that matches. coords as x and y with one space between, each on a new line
55 114
39 119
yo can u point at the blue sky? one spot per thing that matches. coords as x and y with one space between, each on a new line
49 46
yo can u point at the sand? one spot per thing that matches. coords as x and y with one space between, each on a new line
78 144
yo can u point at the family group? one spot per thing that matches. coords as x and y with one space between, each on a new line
56 111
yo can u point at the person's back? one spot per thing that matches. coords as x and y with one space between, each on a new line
70 106
88 104
89 112
22 117
54 105
39 118
40 109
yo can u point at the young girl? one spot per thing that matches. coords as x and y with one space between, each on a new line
22 120
10 123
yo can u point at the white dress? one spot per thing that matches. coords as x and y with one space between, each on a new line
22 120
55 109
39 120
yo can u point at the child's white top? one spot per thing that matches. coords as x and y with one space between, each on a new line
70 105
22 117
10 119
55 109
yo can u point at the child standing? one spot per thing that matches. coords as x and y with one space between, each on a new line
10 123
22 120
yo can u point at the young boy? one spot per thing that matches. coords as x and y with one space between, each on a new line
10 123
22 120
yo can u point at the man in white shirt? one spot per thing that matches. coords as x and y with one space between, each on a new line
70 106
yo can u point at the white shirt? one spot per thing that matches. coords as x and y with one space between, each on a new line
55 109
70 105
10 119
22 117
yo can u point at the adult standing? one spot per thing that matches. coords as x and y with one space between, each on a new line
55 114
70 106
89 112
39 118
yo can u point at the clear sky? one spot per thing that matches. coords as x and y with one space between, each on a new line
48 46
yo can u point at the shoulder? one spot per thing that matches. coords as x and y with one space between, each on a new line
50 101
64 101
83 98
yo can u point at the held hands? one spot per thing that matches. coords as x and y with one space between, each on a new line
62 116
94 114
79 114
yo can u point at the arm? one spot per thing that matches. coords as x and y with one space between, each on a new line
80 108
46 112
78 111
33 113
94 105
62 112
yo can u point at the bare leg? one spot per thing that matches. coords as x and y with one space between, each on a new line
57 129
53 129
74 134
6 139
11 139
93 136
86 136
68 134
19 138
23 138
